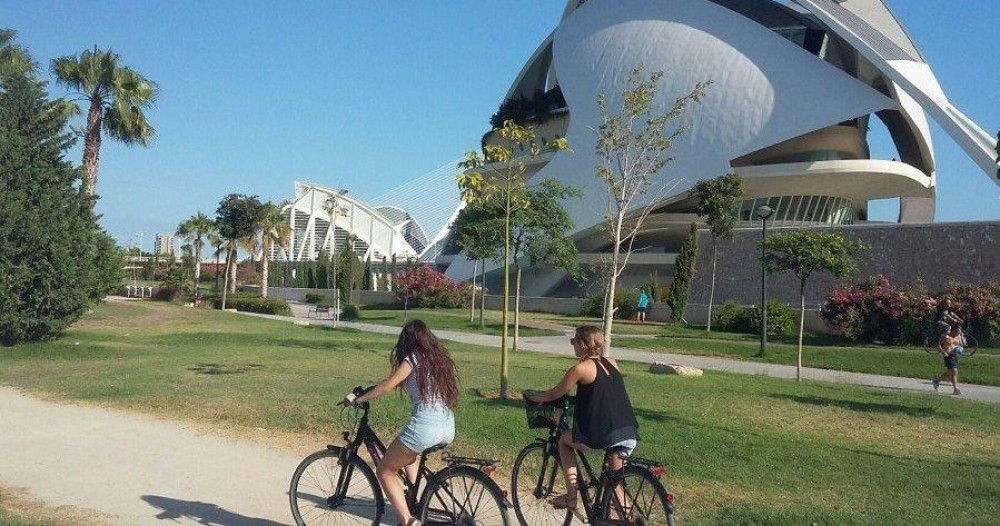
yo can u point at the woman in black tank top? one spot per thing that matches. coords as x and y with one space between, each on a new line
603 418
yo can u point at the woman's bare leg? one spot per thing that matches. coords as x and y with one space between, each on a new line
567 458
397 457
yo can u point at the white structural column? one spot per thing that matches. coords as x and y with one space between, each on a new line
917 80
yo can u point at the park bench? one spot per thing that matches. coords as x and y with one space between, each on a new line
319 309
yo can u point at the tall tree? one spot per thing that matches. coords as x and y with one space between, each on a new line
633 143
275 231
55 261
718 203
116 96
478 229
804 253
237 218
14 59
684 269
333 209
195 230
497 174
541 237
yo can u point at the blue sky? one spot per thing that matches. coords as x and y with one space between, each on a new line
369 95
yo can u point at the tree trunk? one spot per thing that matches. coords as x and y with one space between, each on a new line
517 309
197 266
472 304
217 263
802 325
482 296
609 299
506 304
232 271
263 273
225 288
92 146
711 293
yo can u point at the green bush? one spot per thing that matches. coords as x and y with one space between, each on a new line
314 299
729 316
276 306
626 305
350 312
732 317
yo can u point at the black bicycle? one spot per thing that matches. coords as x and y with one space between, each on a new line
632 495
335 485
933 338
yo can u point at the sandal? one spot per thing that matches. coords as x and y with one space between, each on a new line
563 502
413 521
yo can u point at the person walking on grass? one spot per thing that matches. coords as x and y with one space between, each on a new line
640 316
424 367
603 419
951 346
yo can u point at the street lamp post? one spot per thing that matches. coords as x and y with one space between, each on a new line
763 212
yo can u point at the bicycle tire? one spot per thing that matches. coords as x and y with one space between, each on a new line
635 479
308 508
971 345
533 468
465 496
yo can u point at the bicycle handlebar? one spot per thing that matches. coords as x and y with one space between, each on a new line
354 394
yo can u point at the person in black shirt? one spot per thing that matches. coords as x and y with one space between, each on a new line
603 419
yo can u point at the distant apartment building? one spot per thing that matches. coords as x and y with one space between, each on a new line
163 244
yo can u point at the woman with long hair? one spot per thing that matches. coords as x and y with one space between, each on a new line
422 366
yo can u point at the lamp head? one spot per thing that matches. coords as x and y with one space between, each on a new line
764 212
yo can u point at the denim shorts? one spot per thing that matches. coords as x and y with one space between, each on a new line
430 425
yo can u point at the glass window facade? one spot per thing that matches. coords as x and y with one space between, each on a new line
801 210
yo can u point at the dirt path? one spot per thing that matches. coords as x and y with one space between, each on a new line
137 470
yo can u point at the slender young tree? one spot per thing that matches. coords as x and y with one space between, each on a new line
497 175
275 231
684 270
117 97
195 230
804 253
333 209
633 143
478 229
718 203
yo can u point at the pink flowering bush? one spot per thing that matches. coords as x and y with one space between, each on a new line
878 312
425 287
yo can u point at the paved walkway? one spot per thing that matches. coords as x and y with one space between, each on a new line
560 345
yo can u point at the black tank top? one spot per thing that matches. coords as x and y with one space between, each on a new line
604 415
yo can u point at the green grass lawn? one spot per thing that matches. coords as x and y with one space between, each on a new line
821 352
450 319
738 449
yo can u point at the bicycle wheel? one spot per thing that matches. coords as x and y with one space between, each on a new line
314 494
639 500
971 345
465 496
537 478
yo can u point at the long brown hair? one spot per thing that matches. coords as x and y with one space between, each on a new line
438 378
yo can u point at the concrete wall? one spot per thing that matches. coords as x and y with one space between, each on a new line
936 253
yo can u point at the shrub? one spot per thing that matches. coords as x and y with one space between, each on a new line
350 312
878 312
732 317
626 305
728 316
276 306
427 288
314 298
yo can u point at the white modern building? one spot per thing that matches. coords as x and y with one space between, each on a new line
795 87
323 219
163 244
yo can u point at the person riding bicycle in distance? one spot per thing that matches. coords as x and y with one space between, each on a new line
603 418
424 367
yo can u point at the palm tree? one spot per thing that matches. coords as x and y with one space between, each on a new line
218 244
251 244
275 231
194 229
117 95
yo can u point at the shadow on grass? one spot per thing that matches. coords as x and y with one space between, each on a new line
214 369
202 512
861 407
943 464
